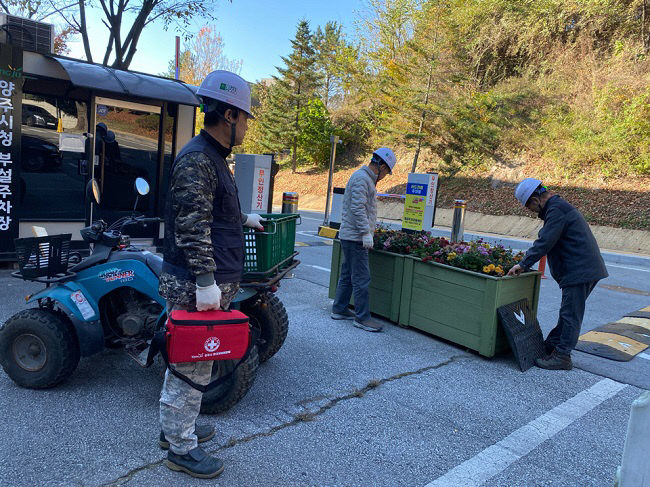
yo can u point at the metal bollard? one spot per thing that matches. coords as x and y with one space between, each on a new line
290 202
635 466
458 224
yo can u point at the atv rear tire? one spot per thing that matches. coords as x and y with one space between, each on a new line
230 392
267 314
38 348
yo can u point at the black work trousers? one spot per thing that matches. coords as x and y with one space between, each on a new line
564 336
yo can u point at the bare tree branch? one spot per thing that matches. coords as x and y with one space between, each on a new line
84 31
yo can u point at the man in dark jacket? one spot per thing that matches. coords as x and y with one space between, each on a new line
575 262
203 256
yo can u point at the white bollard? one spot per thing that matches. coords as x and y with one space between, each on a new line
635 467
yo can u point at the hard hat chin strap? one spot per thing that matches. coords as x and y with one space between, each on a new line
233 129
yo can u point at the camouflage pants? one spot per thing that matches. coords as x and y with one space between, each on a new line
179 402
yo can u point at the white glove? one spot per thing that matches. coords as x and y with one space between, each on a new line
208 297
253 221
368 241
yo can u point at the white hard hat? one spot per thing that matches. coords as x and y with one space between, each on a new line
386 155
525 189
227 87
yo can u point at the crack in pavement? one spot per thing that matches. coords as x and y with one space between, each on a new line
298 418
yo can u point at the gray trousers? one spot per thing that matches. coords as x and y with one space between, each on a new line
354 279
180 403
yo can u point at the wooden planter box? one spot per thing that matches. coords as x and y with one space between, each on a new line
386 272
461 306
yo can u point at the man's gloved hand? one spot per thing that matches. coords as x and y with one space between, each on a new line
208 297
253 221
368 241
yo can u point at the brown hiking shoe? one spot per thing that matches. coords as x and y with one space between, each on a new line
555 361
368 325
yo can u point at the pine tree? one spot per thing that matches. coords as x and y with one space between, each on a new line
329 44
292 89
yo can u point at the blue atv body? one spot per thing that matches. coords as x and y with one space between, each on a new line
111 299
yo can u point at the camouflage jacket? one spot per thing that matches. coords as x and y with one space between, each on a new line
192 186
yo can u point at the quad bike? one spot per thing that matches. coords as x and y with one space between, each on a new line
110 299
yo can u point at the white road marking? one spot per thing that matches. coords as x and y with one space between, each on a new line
310 218
644 355
627 267
309 233
319 268
496 458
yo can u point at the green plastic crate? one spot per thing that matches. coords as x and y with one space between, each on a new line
263 251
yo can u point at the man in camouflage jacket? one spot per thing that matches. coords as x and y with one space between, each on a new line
203 256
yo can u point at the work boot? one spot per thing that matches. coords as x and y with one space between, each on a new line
555 361
548 349
203 432
346 314
368 325
195 462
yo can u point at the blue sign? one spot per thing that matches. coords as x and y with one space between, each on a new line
102 110
416 188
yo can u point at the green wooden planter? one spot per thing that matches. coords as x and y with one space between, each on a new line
460 305
386 271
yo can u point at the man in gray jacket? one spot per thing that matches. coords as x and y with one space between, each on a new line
356 234
575 262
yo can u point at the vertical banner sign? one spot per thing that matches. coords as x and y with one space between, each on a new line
414 206
420 202
11 87
261 192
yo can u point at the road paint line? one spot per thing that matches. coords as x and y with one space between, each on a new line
310 218
496 458
309 233
319 268
644 355
627 267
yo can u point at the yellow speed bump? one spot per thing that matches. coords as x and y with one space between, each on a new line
617 342
641 322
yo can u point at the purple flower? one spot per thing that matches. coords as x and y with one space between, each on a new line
483 251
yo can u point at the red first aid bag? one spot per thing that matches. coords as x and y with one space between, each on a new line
195 336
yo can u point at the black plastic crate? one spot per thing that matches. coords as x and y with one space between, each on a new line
43 256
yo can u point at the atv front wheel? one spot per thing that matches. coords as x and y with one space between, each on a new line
231 391
38 348
267 314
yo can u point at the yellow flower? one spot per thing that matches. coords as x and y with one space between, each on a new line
486 245
486 269
491 267
498 270
451 256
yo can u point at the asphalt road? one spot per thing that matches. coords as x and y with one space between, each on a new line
340 406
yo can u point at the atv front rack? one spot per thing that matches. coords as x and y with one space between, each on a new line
45 279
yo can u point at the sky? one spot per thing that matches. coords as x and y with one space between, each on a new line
255 31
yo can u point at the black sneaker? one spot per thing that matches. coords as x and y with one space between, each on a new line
203 432
368 325
555 361
196 463
347 314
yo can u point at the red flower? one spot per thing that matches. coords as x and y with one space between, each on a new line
427 258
